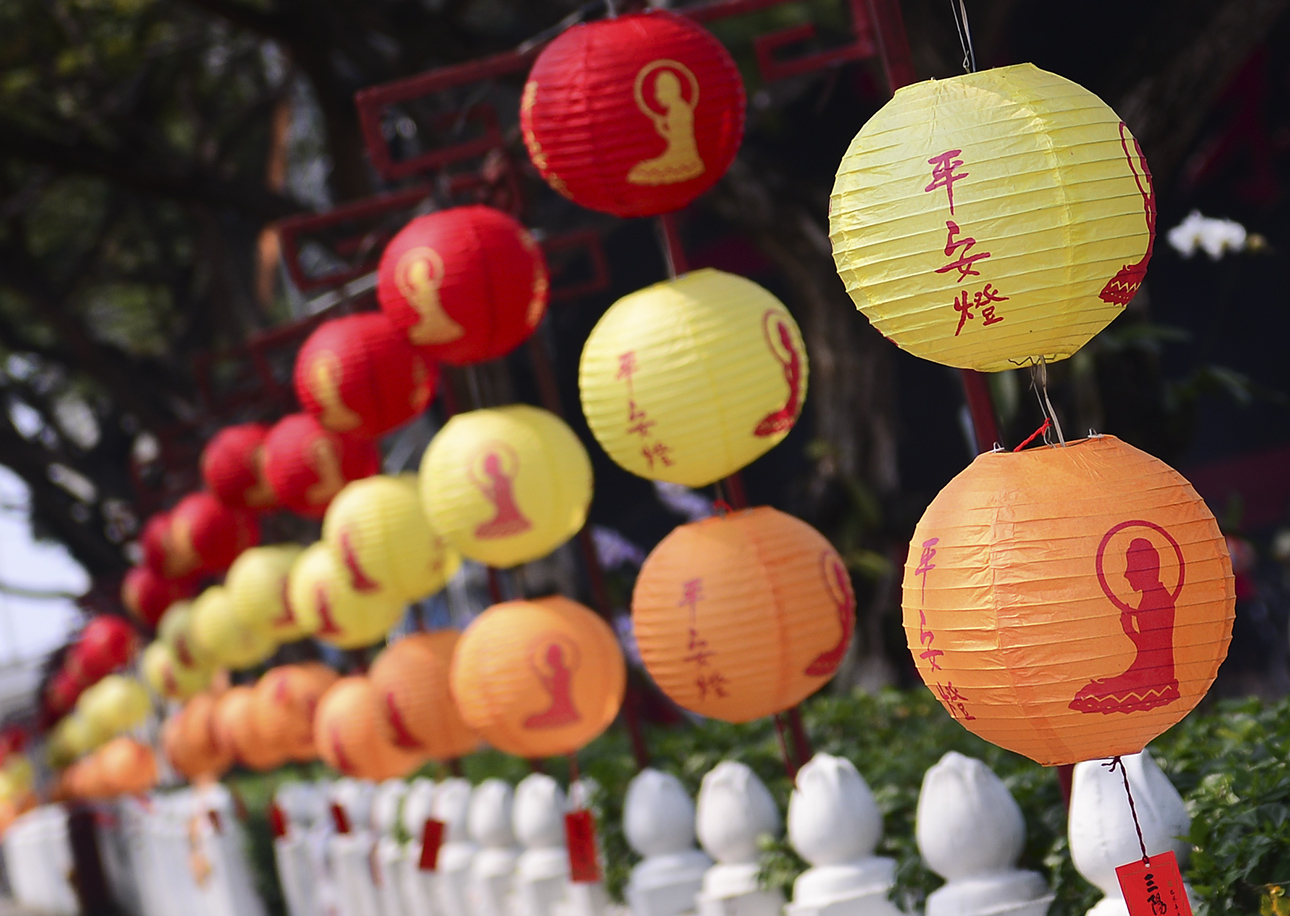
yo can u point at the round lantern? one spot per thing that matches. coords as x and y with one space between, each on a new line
636 115
306 465
175 632
1068 603
360 375
115 704
690 379
233 467
80 736
993 219
379 530
129 767
538 678
327 606
236 729
175 749
506 485
62 693
169 678
257 587
167 552
216 532
411 680
353 736
105 644
209 757
465 285
219 638
286 701
744 615
147 595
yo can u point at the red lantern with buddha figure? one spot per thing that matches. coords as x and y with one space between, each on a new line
215 533
233 467
147 595
306 465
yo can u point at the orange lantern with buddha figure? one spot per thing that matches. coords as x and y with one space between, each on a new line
129 767
237 731
233 467
286 702
1068 603
209 756
307 464
353 737
411 680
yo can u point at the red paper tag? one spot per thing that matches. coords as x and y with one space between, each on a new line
1155 889
580 834
215 820
339 818
431 840
277 821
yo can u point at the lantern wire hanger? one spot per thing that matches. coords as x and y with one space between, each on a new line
965 35
1039 384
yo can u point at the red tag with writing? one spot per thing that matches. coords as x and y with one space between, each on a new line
580 834
339 818
1154 889
431 840
277 821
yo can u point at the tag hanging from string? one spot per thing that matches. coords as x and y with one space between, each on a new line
1152 885
431 840
277 821
580 831
339 819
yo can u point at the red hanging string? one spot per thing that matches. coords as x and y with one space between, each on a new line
1111 765
1036 434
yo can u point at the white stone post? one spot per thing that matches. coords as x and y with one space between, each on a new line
492 873
735 809
658 819
457 855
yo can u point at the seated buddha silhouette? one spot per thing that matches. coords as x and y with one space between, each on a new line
418 275
1149 681
557 681
780 340
680 160
497 482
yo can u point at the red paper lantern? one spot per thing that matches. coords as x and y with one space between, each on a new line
147 595
360 375
233 467
633 116
467 284
216 533
307 465
106 644
166 552
61 694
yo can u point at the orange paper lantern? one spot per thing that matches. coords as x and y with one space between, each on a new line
129 767
744 615
210 758
360 375
175 749
306 465
1068 603
286 702
353 737
411 679
216 533
233 467
236 729
538 678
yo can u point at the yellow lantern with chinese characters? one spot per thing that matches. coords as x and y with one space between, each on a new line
322 598
115 704
378 529
168 677
506 485
993 219
219 638
691 379
257 587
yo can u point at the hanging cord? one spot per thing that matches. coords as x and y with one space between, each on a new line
1035 435
611 9
573 18
1039 382
965 35
1111 765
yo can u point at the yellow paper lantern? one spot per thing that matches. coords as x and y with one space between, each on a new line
411 681
219 638
353 737
1068 603
993 219
115 704
175 632
538 678
691 379
257 587
379 530
744 615
327 606
81 735
168 678
506 485
20 772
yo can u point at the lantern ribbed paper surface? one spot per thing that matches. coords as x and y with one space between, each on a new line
466 285
216 533
306 465
331 610
129 766
116 704
690 379
106 643
538 678
200 735
257 587
991 219
168 678
1068 603
219 638
353 736
236 730
411 679
167 552
359 375
146 595
635 115
506 485
379 530
287 700
233 467
742 616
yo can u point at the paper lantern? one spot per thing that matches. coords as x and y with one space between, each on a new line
538 678
81 736
257 587
466 285
411 680
62 693
360 375
636 115
690 379
993 219
353 737
147 595
327 606
129 767
175 632
379 530
115 704
287 700
219 638
306 465
1068 603
167 552
743 615
236 729
106 643
175 749
216 533
506 485
233 467
170 679
210 757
